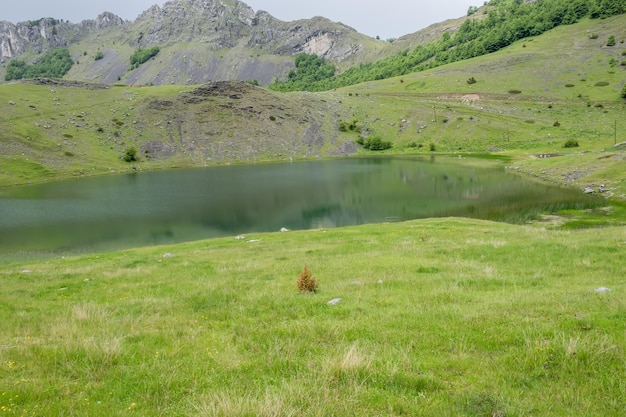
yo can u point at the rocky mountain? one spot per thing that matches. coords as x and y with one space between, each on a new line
199 41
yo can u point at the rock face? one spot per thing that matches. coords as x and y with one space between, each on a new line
217 24
200 41
38 36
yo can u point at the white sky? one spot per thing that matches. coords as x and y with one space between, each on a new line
385 18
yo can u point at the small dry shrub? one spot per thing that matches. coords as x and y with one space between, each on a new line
306 281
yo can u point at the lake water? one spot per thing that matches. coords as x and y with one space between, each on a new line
148 208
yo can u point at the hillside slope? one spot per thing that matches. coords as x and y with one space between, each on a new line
527 101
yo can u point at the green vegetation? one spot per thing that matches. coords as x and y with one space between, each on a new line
351 126
54 65
442 317
310 70
507 21
571 143
99 55
611 41
130 154
142 55
374 143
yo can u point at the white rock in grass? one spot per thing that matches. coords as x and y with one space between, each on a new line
168 255
602 290
335 301
284 229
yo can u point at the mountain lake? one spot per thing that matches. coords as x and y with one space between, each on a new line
160 207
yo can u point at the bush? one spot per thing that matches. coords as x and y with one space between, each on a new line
142 55
515 92
471 80
611 41
375 143
130 154
348 126
571 143
99 56
306 281
623 95
556 124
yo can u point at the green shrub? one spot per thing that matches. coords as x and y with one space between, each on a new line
99 56
571 143
432 147
375 143
348 126
130 154
515 91
601 84
611 41
623 95
142 55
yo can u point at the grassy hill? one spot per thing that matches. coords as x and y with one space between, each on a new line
530 99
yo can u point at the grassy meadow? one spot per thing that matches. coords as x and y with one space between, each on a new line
446 317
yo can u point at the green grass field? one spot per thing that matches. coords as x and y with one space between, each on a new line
445 317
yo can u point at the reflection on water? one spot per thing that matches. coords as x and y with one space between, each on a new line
113 212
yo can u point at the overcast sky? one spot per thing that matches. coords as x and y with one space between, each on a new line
384 18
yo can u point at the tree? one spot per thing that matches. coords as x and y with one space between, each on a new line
624 92
15 70
142 55
54 64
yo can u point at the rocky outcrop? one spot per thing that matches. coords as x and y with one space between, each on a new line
217 24
38 36
16 39
317 36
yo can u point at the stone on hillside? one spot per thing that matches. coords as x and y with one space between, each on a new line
335 301
602 290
